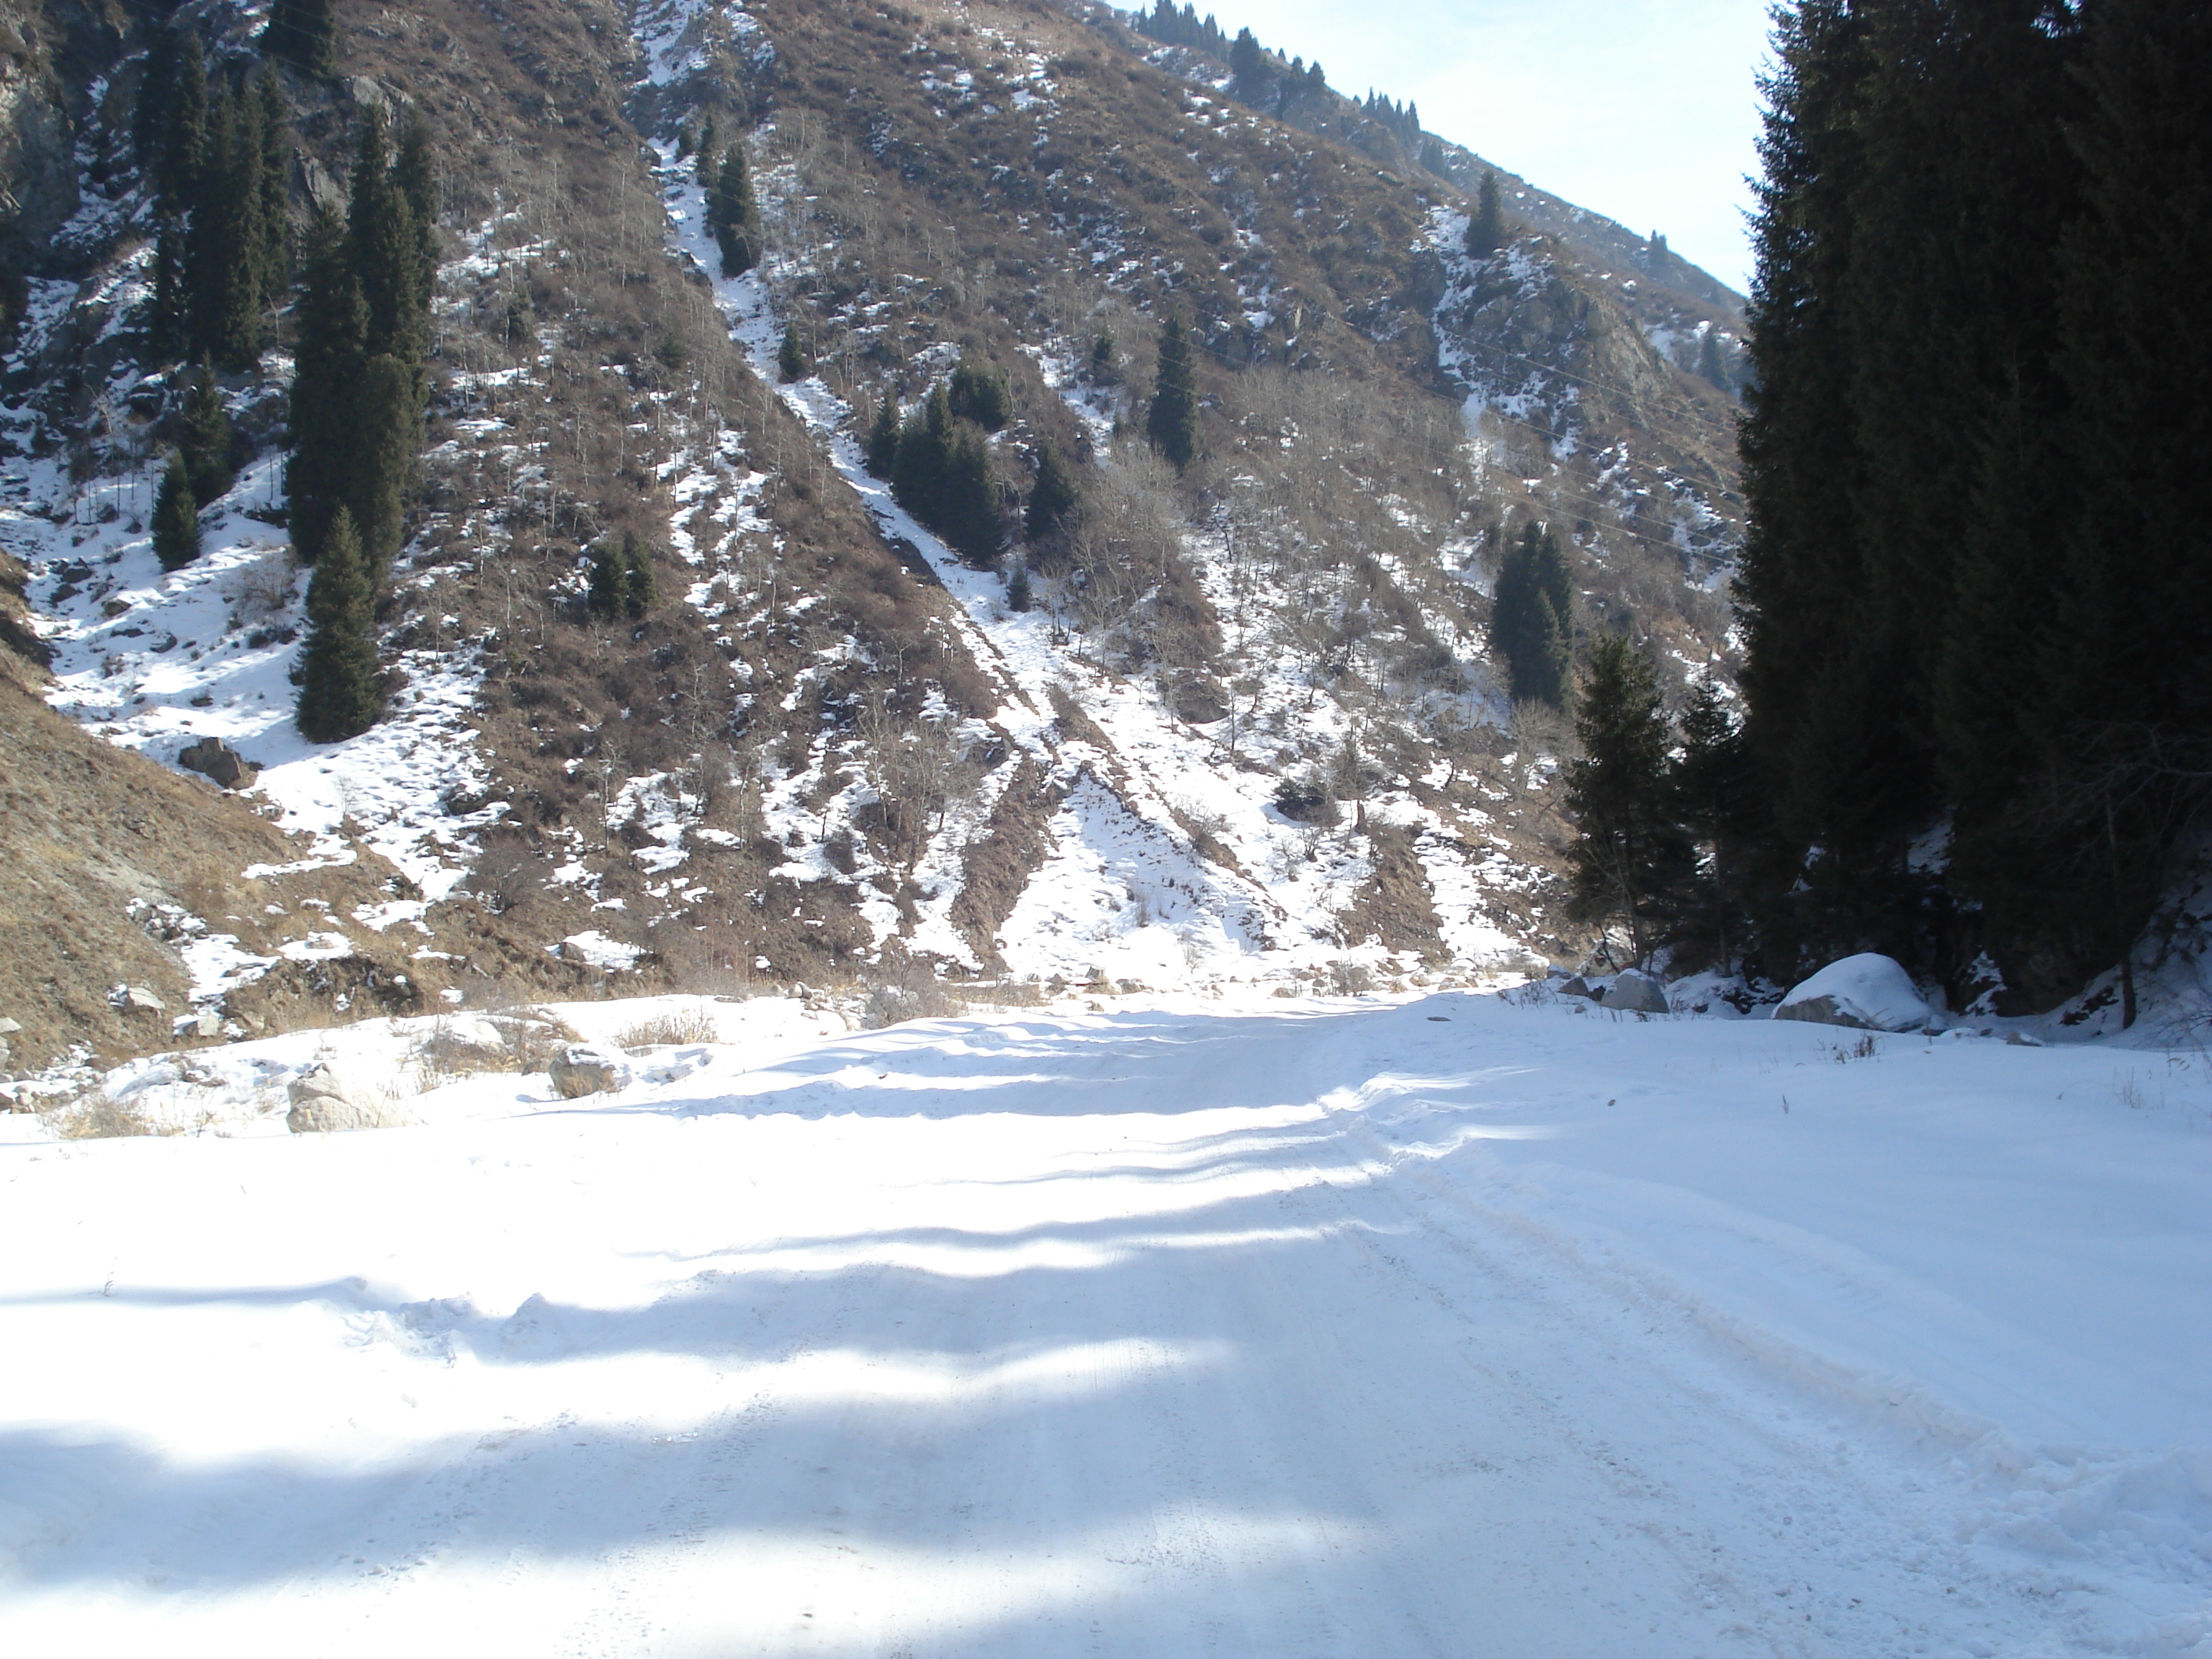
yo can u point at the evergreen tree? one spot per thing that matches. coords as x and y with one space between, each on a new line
1101 360
1051 497
1712 365
967 500
304 34
791 362
414 174
1716 804
1249 66
603 586
176 518
1532 618
341 690
205 444
1630 858
1019 595
330 322
387 413
1171 422
167 322
733 214
276 161
150 122
924 452
884 438
639 592
184 138
226 248
979 393
385 247
1486 226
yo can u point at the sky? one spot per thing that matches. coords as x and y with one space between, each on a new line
1643 110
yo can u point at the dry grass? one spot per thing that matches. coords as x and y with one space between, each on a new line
100 1116
676 1028
527 1041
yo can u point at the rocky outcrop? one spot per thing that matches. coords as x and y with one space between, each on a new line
580 1070
1634 993
216 759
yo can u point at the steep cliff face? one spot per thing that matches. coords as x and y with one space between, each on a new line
54 56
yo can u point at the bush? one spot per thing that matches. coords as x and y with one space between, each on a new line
675 1028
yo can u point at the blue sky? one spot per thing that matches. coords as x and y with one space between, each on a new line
1642 111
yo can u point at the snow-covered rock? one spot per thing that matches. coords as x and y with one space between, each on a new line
1869 991
327 1100
581 1069
1635 992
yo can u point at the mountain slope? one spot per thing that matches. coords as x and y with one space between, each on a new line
1248 725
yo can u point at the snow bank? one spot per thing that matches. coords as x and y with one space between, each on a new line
1868 989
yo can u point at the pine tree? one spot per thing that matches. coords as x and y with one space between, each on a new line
924 452
304 34
791 364
205 444
1051 497
884 438
733 214
387 413
967 500
168 320
1532 618
979 393
639 593
1249 66
414 174
225 247
341 690
150 122
275 257
1019 594
1716 803
604 586
1486 226
386 249
330 322
1629 857
184 138
176 518
1171 422
1712 365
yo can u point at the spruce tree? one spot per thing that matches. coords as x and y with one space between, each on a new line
1630 856
387 413
304 33
1051 497
341 689
604 585
227 248
791 364
387 250
1486 226
330 322
924 452
184 138
1712 365
205 444
1532 618
882 452
1248 64
733 214
414 174
167 315
979 393
638 593
149 123
1019 594
176 518
1171 422
967 500
275 256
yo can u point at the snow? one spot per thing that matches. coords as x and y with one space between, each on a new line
1447 1325
1870 988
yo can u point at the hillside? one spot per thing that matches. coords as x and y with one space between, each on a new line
1237 721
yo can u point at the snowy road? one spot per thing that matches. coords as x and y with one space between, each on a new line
1445 1328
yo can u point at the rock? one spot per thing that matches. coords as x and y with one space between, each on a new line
1576 986
9 1027
138 1000
4 1053
206 1024
1633 993
326 1101
580 1069
219 761
1868 992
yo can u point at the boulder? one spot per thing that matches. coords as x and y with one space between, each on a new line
1634 993
138 1000
580 1069
216 759
1868 992
9 1027
1574 985
326 1100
